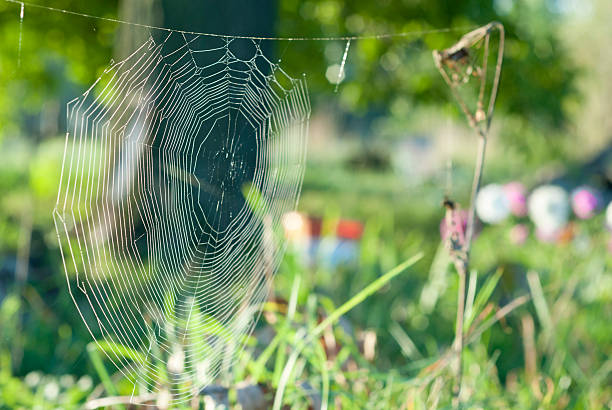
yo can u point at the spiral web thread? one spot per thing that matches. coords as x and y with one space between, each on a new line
179 163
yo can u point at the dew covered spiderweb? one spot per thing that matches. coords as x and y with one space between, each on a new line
178 166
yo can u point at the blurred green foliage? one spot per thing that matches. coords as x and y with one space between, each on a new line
388 74
46 357
58 56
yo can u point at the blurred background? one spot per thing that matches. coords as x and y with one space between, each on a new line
387 143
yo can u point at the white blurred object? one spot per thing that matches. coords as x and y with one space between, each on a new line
549 208
32 379
176 361
297 229
492 205
609 215
334 74
51 390
85 383
164 398
295 225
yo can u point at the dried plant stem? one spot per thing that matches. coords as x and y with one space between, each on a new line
458 343
480 158
480 121
461 262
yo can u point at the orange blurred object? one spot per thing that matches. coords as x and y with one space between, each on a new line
348 229
567 233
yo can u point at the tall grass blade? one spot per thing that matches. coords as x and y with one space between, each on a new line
539 301
333 317
98 364
483 297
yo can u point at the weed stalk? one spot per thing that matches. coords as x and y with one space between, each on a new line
456 66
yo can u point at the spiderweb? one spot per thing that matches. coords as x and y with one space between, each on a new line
179 163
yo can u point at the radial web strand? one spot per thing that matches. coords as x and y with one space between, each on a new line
179 163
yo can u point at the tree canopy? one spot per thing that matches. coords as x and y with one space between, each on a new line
537 76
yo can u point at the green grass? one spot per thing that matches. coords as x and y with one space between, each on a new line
317 335
308 346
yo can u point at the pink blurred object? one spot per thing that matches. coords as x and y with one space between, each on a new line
610 245
585 202
517 197
458 226
547 236
519 234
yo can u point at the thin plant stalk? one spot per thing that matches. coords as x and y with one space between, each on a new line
458 342
461 257
461 265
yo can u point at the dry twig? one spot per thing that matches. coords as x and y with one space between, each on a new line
456 67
